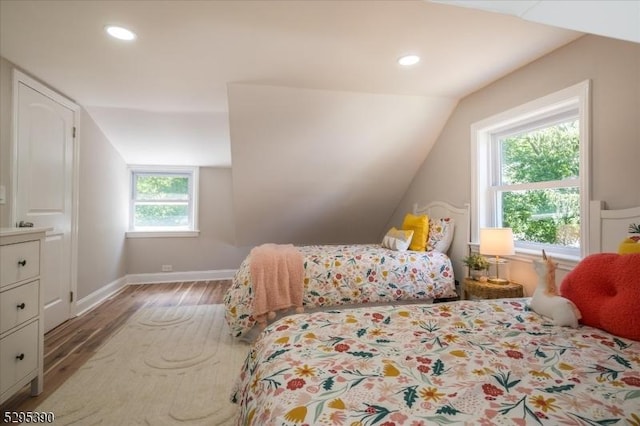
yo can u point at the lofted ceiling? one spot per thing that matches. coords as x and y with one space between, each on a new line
304 100
187 52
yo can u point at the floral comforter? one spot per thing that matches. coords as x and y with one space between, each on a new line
351 274
476 363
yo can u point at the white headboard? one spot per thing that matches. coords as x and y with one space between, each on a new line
609 227
461 232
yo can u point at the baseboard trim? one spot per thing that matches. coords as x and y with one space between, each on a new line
89 302
169 277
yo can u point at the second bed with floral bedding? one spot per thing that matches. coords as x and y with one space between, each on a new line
469 362
348 275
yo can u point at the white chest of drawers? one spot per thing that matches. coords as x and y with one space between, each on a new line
21 322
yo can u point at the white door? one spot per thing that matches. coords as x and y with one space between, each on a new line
44 138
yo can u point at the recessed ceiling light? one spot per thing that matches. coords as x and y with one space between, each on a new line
408 60
120 33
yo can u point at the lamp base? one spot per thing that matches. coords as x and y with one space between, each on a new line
498 281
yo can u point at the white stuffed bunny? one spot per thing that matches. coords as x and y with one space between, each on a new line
546 301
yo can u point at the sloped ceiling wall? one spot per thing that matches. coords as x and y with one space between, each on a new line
317 167
167 138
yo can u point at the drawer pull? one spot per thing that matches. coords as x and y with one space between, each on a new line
20 357
21 306
22 262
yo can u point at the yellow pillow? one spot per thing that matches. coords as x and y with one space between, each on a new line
420 227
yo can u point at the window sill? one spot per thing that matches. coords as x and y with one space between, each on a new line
162 234
565 262
537 254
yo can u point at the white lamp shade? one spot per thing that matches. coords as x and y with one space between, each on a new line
496 241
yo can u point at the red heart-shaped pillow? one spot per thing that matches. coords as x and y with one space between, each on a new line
606 289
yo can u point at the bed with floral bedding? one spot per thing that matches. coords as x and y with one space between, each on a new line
367 274
340 275
469 362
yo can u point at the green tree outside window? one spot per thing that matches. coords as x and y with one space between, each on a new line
546 215
161 201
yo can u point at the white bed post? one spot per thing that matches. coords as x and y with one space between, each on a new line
462 231
609 227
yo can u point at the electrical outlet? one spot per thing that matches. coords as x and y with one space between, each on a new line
167 268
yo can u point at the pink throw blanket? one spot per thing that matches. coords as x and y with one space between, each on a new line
277 274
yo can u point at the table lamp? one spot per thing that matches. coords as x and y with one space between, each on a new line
496 242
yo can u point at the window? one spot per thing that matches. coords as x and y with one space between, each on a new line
531 173
163 201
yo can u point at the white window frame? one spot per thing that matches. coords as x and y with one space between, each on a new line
483 206
193 175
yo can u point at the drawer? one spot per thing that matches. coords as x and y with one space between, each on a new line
19 261
18 355
19 305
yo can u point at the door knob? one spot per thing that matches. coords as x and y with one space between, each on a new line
22 262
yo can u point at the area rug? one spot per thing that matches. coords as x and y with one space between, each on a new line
165 366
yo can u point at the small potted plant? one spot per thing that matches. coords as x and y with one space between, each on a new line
478 265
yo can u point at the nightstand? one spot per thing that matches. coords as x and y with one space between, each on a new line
487 290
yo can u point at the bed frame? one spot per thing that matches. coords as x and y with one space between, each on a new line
606 231
459 248
609 227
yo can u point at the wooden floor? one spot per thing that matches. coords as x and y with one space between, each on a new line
70 345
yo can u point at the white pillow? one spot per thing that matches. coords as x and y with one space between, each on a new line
440 234
397 239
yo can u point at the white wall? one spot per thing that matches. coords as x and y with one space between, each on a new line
320 166
103 210
614 69
214 249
